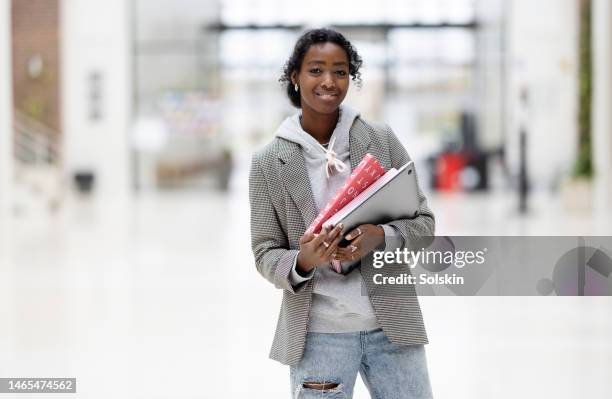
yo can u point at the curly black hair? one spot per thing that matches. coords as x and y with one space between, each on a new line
302 45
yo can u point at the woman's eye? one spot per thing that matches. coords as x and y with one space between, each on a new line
315 70
341 73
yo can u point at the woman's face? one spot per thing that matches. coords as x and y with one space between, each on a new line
323 78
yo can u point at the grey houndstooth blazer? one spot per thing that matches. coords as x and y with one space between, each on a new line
282 206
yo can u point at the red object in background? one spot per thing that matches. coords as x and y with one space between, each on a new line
448 171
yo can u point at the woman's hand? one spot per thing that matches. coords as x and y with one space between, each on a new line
363 239
317 249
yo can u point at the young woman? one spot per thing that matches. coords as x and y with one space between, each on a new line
328 331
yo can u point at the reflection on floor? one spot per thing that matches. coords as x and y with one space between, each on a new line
158 297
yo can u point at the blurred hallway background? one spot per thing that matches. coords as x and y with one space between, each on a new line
126 130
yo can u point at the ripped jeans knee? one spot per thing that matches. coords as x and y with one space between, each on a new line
320 388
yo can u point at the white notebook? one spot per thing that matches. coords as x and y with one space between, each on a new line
393 196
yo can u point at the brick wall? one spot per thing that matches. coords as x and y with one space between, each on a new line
35 35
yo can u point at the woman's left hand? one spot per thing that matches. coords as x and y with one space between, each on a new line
363 239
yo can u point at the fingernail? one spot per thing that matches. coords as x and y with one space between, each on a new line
349 237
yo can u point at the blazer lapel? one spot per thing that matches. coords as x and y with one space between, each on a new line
296 181
359 142
295 175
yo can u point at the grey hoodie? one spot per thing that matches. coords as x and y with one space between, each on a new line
337 301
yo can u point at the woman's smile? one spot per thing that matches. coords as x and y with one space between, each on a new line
327 96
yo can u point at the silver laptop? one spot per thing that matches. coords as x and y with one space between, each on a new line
393 198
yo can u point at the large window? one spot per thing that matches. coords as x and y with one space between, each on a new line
324 12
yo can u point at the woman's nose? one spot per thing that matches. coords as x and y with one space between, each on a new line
328 81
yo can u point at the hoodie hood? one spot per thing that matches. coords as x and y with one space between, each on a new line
328 158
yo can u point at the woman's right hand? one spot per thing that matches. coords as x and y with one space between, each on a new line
318 249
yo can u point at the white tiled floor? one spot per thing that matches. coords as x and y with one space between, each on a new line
158 297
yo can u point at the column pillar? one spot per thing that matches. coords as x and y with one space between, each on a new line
602 103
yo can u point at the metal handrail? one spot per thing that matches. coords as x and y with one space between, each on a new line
35 125
33 141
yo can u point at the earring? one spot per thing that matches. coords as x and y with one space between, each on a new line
296 87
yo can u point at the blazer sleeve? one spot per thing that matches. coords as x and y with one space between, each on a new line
423 226
273 258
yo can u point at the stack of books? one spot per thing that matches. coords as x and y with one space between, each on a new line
371 195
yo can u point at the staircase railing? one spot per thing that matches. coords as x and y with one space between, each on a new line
34 142
37 166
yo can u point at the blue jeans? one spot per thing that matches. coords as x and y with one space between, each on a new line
388 370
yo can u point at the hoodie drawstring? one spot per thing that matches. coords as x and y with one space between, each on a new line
333 163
